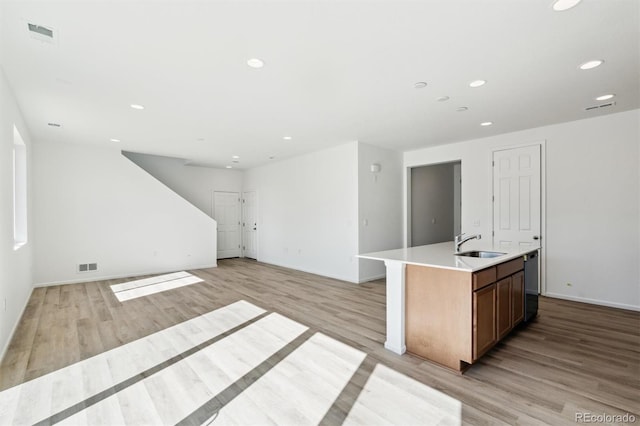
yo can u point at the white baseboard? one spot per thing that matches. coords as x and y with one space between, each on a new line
373 278
594 301
117 276
308 271
15 327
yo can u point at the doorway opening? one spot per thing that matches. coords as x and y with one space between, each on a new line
435 203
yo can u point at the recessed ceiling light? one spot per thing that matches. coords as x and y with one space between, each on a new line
591 64
442 99
235 156
114 140
54 124
562 5
604 97
287 138
255 63
461 109
136 106
229 167
477 83
420 85
486 123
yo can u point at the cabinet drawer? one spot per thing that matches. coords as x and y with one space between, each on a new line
509 268
484 278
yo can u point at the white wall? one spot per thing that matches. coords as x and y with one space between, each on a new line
379 206
94 205
15 265
592 237
193 183
308 212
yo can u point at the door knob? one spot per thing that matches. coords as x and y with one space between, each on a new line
535 237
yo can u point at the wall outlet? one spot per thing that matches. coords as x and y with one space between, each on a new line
476 222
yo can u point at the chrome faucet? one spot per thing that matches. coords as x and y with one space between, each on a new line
459 240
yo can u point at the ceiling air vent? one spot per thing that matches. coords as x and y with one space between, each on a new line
48 32
591 108
40 32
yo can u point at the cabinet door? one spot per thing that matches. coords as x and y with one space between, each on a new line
484 320
503 290
517 298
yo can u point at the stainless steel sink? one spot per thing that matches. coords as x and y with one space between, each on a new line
482 254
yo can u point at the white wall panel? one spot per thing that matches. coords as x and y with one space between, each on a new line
94 205
15 265
308 212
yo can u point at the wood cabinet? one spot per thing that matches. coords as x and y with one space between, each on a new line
503 307
454 317
484 320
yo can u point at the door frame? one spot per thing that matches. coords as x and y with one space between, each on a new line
543 202
243 209
407 231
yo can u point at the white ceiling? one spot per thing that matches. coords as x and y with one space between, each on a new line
336 71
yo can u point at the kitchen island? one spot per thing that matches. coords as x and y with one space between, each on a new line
448 308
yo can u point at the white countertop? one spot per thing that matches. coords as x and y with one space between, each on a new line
441 256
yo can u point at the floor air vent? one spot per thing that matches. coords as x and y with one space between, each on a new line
87 267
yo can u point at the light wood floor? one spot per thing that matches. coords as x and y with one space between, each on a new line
574 358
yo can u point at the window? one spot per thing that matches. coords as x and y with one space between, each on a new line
19 190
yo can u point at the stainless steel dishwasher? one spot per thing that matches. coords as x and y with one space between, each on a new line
530 285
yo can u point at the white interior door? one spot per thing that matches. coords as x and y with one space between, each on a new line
516 197
249 225
226 211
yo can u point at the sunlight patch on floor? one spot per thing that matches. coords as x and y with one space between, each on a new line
234 365
37 399
178 390
390 397
299 390
147 286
